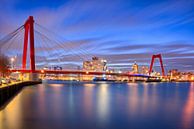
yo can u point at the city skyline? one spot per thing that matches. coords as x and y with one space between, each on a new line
121 31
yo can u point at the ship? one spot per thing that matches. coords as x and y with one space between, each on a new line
153 79
101 79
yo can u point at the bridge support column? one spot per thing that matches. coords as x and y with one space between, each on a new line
29 31
32 50
161 63
25 47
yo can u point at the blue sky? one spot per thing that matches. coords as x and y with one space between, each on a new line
122 31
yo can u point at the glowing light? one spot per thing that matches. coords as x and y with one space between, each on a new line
12 59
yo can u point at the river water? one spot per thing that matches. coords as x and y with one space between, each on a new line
103 105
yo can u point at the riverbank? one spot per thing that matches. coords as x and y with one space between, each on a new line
7 92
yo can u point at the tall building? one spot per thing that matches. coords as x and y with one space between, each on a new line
96 64
87 66
135 68
174 74
144 70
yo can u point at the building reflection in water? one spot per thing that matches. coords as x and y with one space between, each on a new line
103 103
88 99
55 96
188 111
42 102
142 98
133 98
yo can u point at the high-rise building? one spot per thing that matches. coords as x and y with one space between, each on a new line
174 74
144 70
87 65
96 64
135 68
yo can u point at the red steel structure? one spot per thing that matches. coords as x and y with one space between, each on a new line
29 31
29 38
79 72
29 34
161 63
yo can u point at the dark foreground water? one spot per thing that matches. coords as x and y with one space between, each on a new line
78 105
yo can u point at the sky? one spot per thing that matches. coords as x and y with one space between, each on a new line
120 31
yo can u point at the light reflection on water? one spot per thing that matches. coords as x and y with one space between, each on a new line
188 111
103 103
72 105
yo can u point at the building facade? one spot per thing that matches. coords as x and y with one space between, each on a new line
95 65
135 68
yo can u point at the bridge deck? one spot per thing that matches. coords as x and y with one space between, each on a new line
80 72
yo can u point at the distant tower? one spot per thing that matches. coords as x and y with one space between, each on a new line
135 68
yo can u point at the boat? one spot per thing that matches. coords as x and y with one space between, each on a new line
101 79
151 79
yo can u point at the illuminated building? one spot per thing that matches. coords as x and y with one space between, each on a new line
96 64
87 66
135 68
174 74
144 70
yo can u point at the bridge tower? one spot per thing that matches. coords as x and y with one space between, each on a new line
29 38
29 31
161 63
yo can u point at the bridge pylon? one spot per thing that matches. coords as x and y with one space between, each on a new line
29 32
161 63
29 38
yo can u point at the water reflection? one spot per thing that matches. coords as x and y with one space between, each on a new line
42 105
188 111
87 103
142 97
133 98
56 100
103 102
15 109
101 106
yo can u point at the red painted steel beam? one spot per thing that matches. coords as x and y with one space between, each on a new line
161 63
78 72
29 29
25 47
32 49
151 65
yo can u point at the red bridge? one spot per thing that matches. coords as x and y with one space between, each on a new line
29 38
